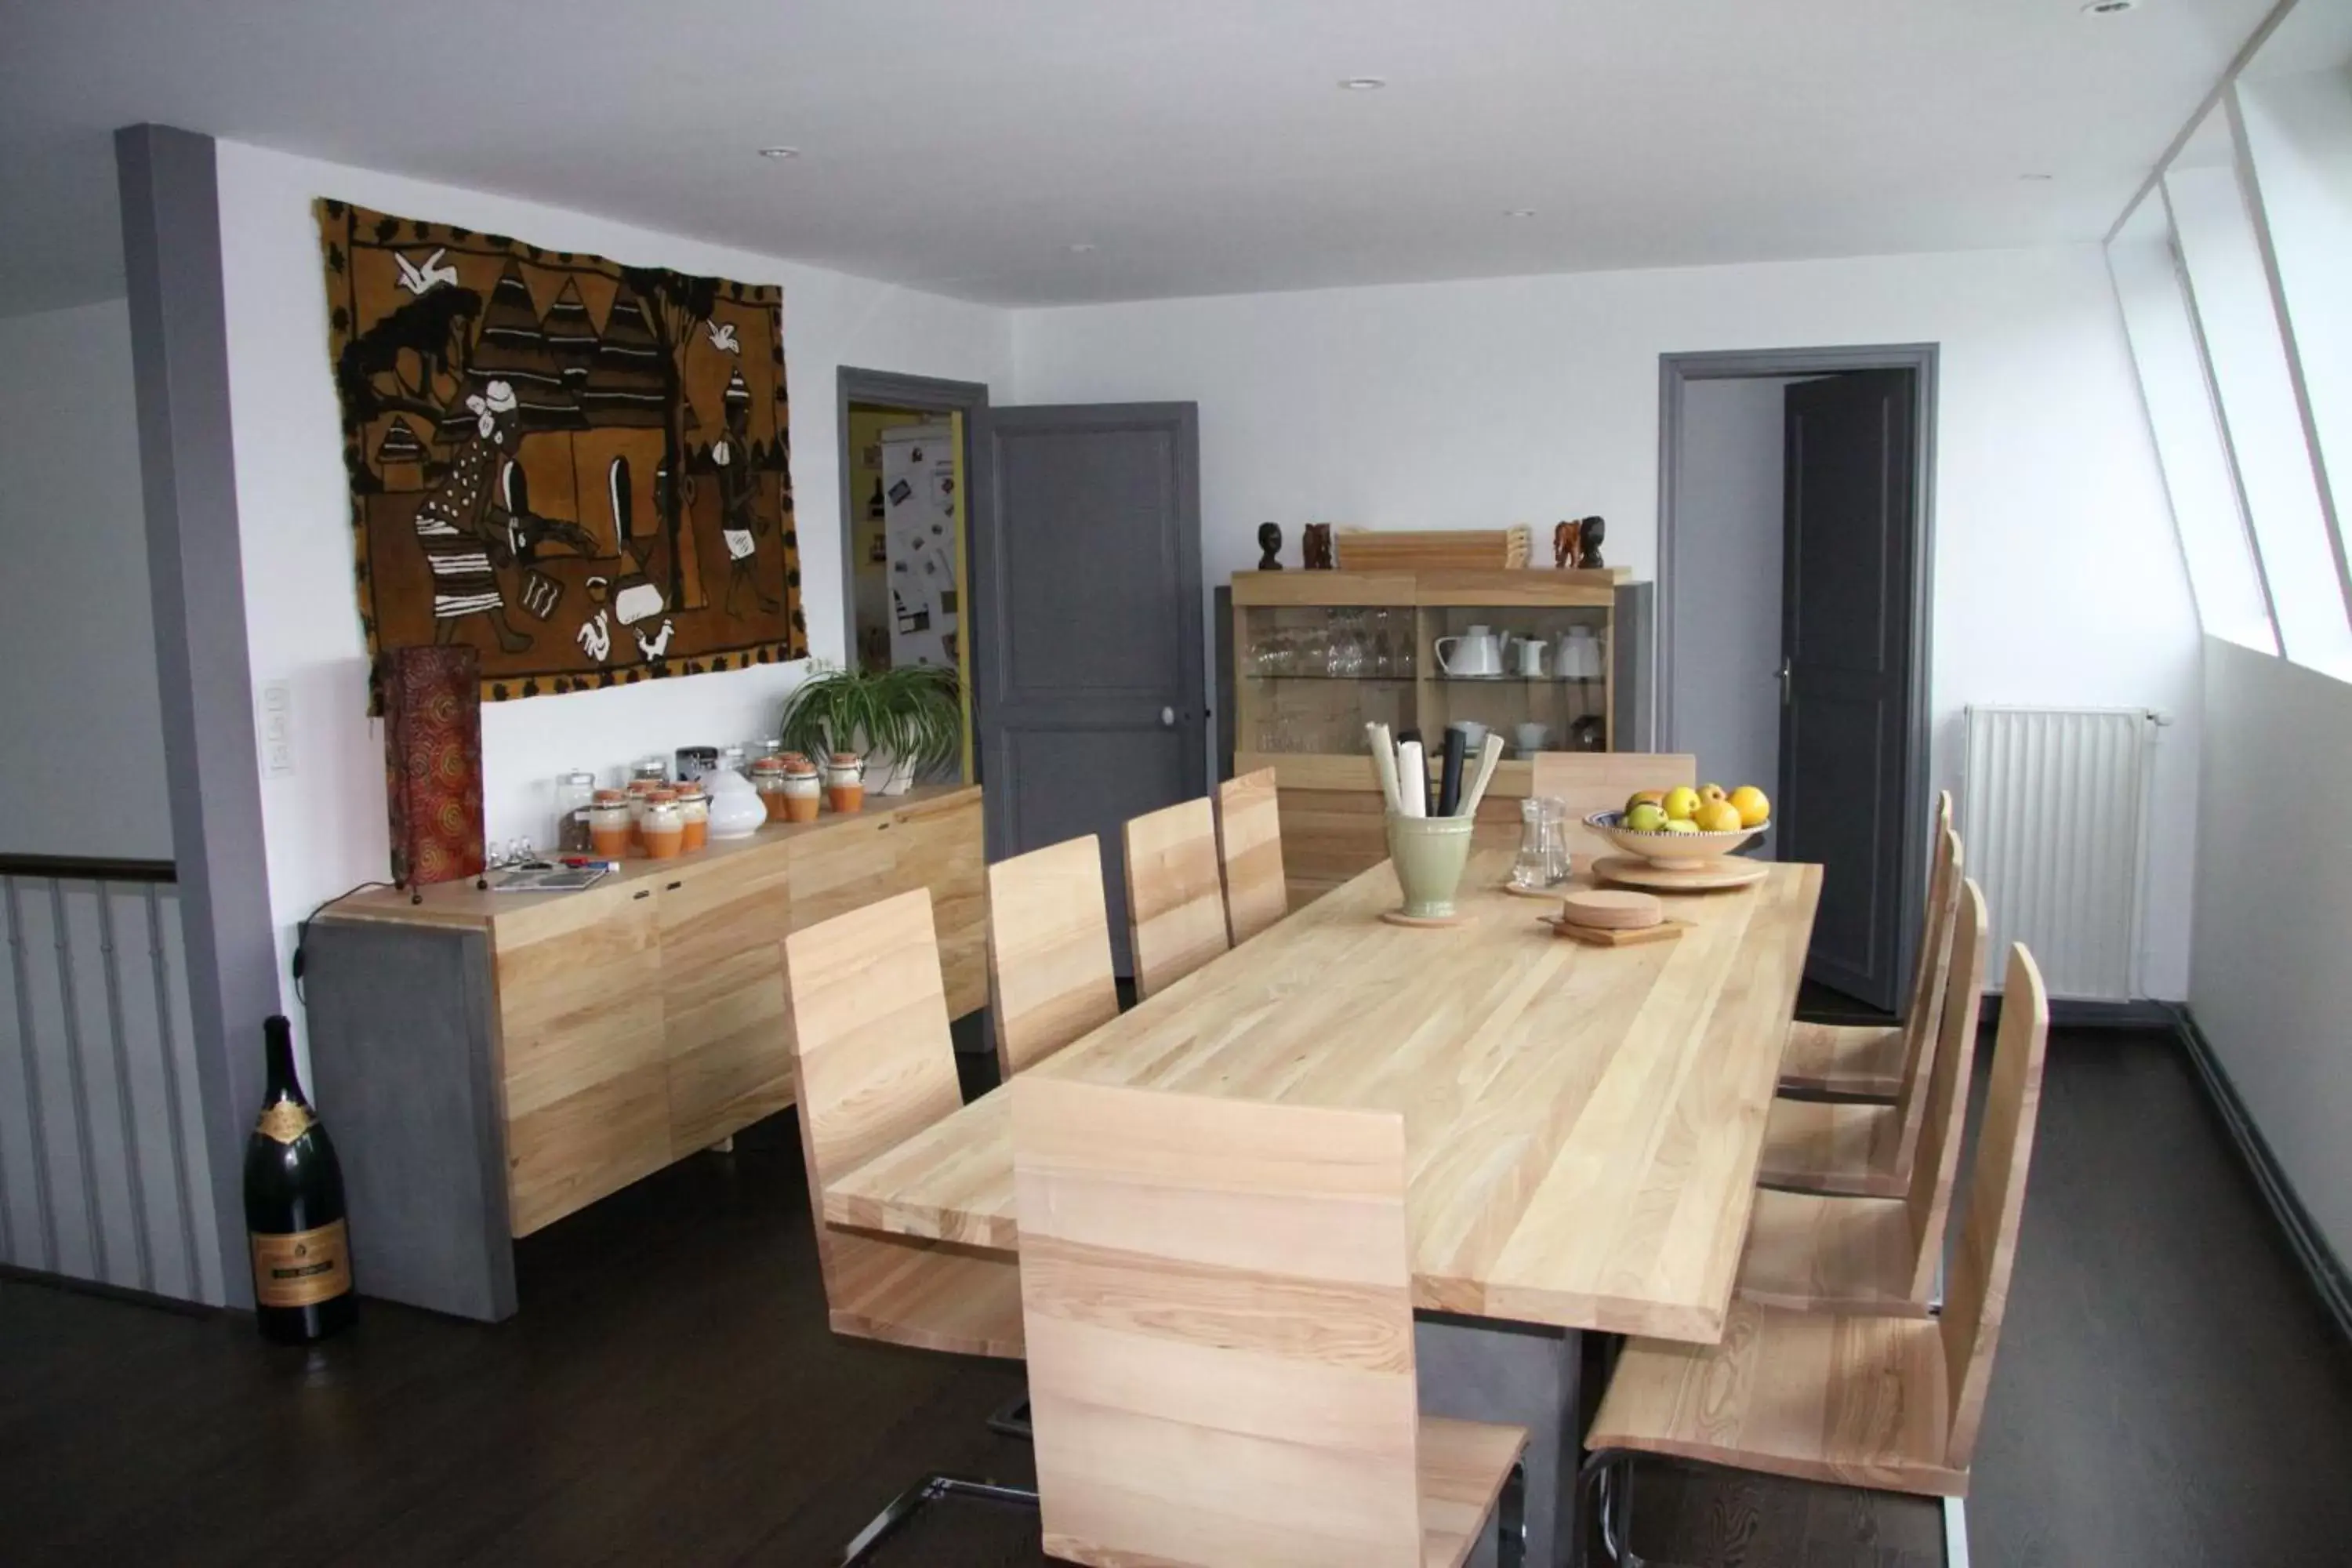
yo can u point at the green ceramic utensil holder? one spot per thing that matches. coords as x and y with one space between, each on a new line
1429 853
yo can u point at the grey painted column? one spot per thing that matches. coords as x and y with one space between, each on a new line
1518 1374
179 356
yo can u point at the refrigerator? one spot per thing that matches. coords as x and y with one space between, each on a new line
918 534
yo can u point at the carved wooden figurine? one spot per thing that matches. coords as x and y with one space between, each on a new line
1564 544
1314 547
1593 531
1269 544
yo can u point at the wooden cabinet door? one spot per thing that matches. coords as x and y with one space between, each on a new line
581 1044
931 843
722 991
937 846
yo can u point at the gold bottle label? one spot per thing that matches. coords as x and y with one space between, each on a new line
285 1121
303 1268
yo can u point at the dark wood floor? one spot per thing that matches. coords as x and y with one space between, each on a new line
2169 1393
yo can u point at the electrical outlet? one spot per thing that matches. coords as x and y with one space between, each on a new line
276 711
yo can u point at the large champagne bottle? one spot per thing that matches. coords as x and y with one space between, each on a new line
294 1209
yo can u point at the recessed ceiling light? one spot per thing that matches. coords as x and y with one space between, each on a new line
780 153
1362 83
2037 179
2109 7
1518 212
1083 246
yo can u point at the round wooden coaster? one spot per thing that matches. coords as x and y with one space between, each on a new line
1609 909
1705 877
1398 918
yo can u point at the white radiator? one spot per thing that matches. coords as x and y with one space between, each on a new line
2054 816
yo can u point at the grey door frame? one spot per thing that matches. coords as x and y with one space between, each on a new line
925 394
1676 373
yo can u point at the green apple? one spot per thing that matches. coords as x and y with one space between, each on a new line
1646 817
1681 825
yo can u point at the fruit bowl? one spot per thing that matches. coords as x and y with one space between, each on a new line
1669 848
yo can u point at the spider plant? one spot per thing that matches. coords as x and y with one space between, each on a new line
906 721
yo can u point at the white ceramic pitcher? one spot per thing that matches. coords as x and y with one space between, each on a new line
1475 652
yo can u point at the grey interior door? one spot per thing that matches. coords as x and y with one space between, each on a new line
1850 531
1088 652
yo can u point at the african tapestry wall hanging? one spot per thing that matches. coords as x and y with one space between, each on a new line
583 470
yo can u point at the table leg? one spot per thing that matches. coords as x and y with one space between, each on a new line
1481 1369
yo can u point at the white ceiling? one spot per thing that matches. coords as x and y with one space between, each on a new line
1202 146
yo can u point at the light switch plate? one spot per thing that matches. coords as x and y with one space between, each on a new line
275 712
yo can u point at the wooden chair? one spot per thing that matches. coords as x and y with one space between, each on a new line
1049 968
1867 1061
1859 1149
1812 1253
875 1066
1602 780
1220 1343
1889 1402
1175 898
1249 843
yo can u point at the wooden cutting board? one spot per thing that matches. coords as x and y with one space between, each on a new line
1594 936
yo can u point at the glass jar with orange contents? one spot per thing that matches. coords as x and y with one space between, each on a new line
803 791
611 821
694 811
768 778
660 826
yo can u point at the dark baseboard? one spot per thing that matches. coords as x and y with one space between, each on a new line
13 1275
2319 1260
2065 1015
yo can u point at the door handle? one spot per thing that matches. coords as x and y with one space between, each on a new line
1168 718
1784 680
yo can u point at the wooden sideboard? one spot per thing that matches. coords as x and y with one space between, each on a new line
490 1063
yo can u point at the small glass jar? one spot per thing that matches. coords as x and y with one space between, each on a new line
763 746
638 790
651 768
734 759
610 823
575 796
694 811
844 781
768 778
661 825
1542 858
802 791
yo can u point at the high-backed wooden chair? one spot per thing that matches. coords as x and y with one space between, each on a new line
1249 843
1221 1344
1860 1149
1867 1061
1812 1253
1890 1402
1049 969
1602 780
875 1066
1175 897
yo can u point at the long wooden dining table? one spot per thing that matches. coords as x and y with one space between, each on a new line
1583 1124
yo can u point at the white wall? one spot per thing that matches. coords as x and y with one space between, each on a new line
325 826
2269 985
1726 566
1535 398
81 727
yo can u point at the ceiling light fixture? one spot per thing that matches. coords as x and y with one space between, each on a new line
2037 179
780 153
1518 212
1362 83
1083 247
2109 7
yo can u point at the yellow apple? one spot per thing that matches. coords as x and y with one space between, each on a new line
1682 802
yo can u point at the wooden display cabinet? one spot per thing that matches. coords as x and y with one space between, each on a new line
1319 655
